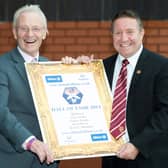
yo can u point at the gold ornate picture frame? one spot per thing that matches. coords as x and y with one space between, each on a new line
66 97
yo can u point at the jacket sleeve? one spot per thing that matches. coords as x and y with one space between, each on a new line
157 125
12 129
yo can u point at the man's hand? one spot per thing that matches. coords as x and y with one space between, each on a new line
128 151
79 60
42 151
85 59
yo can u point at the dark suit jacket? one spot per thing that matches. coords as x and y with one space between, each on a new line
147 108
18 118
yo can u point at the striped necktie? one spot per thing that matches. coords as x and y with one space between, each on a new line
118 118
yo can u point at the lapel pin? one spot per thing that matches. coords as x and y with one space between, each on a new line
138 72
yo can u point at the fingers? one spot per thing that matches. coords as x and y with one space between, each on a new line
92 57
128 151
121 153
80 59
49 156
42 151
85 59
68 60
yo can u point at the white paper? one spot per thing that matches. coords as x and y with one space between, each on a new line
76 109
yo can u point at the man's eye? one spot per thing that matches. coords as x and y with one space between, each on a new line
36 29
117 33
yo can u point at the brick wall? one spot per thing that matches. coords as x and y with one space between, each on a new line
87 37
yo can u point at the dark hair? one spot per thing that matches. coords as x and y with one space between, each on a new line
129 14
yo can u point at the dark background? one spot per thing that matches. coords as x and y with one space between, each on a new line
67 10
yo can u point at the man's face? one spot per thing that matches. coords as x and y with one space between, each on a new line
127 36
29 32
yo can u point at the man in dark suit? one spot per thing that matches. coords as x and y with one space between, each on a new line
21 143
146 134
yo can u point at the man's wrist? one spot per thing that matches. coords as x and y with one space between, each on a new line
24 145
29 143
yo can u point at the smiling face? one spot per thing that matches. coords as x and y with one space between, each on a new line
29 32
127 36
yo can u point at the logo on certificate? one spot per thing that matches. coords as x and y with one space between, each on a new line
72 95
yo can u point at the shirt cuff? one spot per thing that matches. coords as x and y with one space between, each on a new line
24 145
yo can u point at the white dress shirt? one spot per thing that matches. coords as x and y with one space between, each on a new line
130 70
28 58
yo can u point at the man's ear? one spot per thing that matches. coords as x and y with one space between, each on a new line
14 33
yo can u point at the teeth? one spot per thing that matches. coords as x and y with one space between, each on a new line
30 41
124 45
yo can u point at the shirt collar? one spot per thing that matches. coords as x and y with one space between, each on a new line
28 58
133 59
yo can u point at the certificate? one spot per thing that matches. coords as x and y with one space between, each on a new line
73 104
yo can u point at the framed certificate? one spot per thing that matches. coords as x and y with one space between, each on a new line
73 104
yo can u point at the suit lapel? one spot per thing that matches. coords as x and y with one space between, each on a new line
110 64
139 70
19 65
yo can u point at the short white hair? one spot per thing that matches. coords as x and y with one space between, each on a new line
29 8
